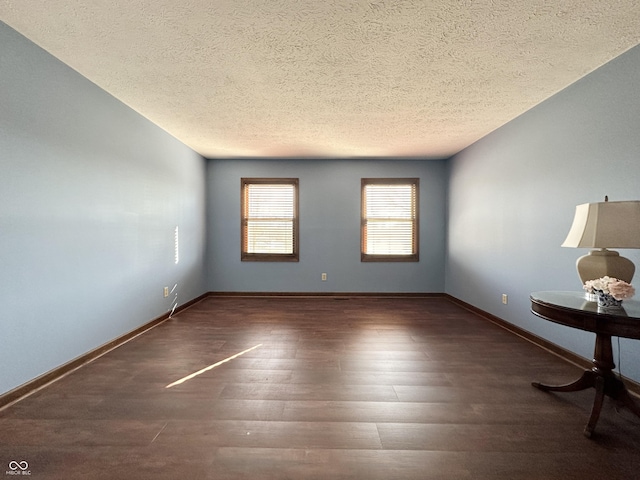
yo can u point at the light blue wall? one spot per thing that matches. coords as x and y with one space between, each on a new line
329 228
91 194
513 195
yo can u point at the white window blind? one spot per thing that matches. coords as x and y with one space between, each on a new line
389 219
269 219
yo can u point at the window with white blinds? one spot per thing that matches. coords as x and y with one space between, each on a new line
269 219
389 220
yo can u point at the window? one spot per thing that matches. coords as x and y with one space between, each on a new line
389 220
269 219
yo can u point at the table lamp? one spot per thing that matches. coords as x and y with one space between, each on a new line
602 226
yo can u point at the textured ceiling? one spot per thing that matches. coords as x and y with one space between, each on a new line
337 78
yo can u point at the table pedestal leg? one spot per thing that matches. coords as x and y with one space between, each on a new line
587 380
597 406
601 377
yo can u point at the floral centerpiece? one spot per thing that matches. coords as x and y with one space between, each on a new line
610 291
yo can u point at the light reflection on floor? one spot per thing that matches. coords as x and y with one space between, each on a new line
210 367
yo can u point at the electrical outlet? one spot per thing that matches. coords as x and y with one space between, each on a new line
166 291
505 299
324 277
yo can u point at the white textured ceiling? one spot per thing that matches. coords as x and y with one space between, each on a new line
336 78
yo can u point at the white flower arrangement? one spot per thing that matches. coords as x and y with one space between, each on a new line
618 289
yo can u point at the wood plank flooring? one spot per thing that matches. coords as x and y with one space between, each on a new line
357 388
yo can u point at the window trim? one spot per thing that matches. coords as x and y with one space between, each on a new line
413 257
269 257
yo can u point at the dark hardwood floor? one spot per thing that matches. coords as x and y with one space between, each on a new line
357 388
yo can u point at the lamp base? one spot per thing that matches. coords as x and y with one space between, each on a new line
600 263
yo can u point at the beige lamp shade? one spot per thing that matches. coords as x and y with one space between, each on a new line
605 225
